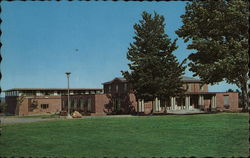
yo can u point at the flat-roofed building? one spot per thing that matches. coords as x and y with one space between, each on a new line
26 101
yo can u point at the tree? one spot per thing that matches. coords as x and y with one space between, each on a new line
218 31
155 71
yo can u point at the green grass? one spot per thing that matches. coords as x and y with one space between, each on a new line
213 135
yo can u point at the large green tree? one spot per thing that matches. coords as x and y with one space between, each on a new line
155 71
218 31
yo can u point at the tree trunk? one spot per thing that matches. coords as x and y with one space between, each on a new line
244 97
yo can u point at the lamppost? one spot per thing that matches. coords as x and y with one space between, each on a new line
68 73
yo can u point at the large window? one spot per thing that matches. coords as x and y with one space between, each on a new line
125 87
189 87
226 101
81 103
44 106
201 87
89 105
109 88
116 88
75 103
117 104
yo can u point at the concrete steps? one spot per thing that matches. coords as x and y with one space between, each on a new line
185 111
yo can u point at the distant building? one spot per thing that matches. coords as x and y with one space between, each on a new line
116 98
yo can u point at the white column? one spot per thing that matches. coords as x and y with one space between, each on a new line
199 102
186 104
189 102
215 101
139 105
159 105
172 103
202 100
212 102
156 105
142 105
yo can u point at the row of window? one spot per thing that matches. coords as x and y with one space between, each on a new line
44 106
78 103
189 87
17 93
117 87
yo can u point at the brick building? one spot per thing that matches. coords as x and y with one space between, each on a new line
116 98
195 97
26 101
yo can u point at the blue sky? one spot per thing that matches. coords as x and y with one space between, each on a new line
43 40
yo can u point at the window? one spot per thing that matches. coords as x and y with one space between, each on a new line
117 104
201 87
75 103
116 88
189 87
44 106
226 101
89 105
109 88
81 103
125 87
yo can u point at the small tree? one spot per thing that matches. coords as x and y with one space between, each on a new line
3 107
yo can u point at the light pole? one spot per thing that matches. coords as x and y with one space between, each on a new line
68 73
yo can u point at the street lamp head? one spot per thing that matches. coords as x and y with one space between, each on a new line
68 73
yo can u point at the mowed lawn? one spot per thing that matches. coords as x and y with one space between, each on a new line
213 135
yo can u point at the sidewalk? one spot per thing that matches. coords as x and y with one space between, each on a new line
6 120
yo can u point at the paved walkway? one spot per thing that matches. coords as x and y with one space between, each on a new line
15 120
7 120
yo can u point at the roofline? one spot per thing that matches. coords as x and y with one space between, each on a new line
49 89
114 80
192 81
182 80
207 92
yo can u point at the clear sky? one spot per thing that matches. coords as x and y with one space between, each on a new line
43 40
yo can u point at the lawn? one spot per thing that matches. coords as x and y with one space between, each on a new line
202 135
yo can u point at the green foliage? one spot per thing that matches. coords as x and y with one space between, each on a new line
230 90
218 30
217 135
3 107
154 69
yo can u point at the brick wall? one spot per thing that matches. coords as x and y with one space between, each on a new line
54 105
233 101
11 101
100 101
